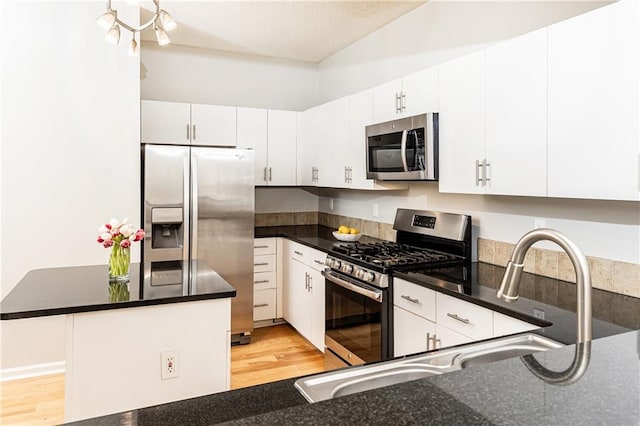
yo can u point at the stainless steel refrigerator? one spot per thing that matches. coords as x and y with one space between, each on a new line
199 205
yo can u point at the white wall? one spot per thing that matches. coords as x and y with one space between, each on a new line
193 75
70 146
433 33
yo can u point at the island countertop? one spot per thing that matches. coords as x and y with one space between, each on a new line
68 290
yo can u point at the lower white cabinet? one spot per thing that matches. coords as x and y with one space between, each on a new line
265 279
424 319
303 291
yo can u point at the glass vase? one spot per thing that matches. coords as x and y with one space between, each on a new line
119 291
119 262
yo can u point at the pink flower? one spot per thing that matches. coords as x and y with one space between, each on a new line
107 244
125 243
107 225
139 235
100 240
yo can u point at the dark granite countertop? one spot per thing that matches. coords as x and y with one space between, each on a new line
56 291
504 392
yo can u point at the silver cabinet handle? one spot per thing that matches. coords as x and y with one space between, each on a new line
403 101
485 171
479 175
298 252
411 299
269 174
188 132
310 283
261 281
261 264
350 175
346 175
456 317
318 262
264 175
193 132
261 305
260 246
432 342
306 281
398 107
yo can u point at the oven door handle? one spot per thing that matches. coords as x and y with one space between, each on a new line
369 293
403 150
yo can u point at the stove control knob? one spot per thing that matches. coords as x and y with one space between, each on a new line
369 276
347 268
336 264
328 261
359 273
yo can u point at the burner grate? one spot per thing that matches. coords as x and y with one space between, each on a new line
389 254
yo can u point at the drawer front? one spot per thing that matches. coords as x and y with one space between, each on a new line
264 280
299 252
262 246
414 298
265 263
465 318
264 304
504 324
316 259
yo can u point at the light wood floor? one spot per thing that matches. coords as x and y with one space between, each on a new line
275 353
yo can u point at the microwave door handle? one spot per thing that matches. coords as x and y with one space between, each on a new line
403 150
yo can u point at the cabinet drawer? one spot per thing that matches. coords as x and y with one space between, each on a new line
264 263
262 246
298 252
504 324
264 280
466 318
414 298
264 304
316 259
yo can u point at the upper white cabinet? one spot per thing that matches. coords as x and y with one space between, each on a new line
516 116
180 123
593 104
414 94
281 140
333 143
252 133
462 123
307 147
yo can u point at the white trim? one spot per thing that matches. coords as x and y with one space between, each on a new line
32 370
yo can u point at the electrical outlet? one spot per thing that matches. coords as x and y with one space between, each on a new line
169 365
538 313
376 210
330 203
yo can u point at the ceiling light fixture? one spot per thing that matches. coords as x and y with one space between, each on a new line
161 22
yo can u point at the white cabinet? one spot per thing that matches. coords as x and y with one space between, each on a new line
493 119
593 104
265 283
252 133
303 293
333 143
307 147
181 123
424 319
281 139
516 116
462 123
414 94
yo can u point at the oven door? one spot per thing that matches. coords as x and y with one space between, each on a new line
356 318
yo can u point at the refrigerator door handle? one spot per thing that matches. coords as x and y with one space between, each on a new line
185 211
194 207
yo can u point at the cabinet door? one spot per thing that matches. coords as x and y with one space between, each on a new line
462 123
316 299
281 141
360 115
213 125
307 143
296 297
252 133
333 143
516 138
593 104
410 332
165 122
447 337
420 91
385 103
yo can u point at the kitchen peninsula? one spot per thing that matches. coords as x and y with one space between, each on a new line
116 333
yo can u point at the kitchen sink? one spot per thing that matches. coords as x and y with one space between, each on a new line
352 380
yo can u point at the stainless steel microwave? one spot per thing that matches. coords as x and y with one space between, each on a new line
403 149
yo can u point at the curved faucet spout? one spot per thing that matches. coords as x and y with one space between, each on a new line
511 281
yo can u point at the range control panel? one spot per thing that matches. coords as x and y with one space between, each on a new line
424 221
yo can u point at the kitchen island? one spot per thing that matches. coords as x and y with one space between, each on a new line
118 333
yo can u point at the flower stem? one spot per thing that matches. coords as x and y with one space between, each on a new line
119 261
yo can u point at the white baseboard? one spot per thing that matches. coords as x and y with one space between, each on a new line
32 370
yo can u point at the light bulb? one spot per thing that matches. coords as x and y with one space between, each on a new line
107 19
113 35
133 47
168 22
162 37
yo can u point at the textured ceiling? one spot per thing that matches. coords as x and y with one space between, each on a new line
300 30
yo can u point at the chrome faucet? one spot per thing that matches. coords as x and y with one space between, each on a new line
511 281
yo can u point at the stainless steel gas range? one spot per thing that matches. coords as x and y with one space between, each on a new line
358 279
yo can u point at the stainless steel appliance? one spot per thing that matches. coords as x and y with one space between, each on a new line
199 205
403 149
358 279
